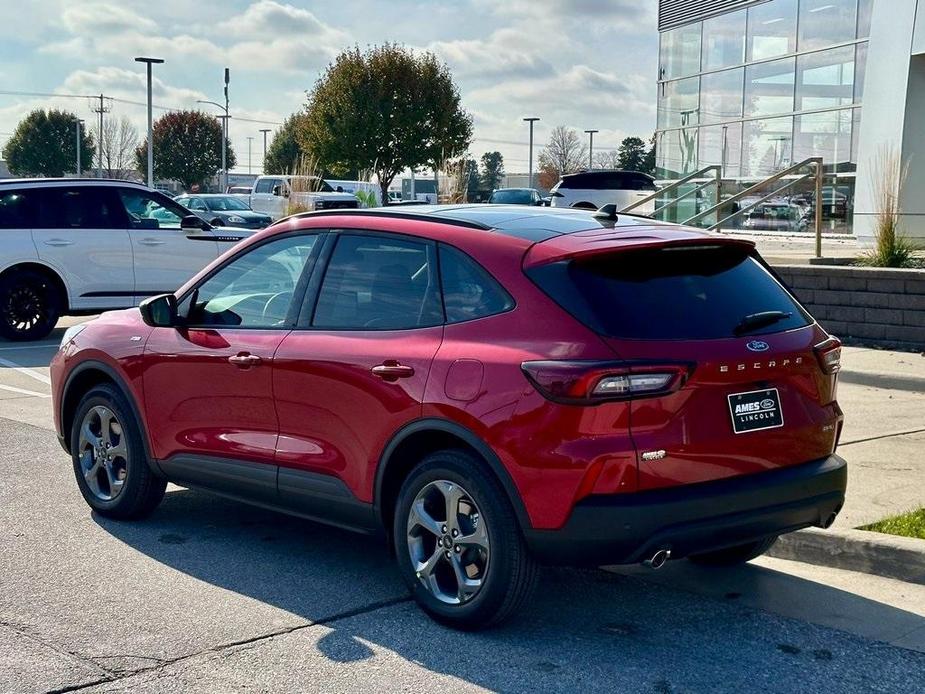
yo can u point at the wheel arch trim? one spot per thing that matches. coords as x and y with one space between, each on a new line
120 382
434 424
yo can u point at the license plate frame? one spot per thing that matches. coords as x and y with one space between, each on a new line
767 415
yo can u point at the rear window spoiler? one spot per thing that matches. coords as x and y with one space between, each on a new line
589 245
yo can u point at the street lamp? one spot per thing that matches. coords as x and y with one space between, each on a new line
149 62
531 121
264 131
249 141
591 147
224 118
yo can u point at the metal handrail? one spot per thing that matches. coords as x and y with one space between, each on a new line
817 161
681 181
774 193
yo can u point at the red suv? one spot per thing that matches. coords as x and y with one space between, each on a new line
491 387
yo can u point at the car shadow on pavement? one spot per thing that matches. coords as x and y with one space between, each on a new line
587 629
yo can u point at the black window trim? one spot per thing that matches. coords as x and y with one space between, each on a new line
298 295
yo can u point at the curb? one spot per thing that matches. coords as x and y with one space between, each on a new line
891 556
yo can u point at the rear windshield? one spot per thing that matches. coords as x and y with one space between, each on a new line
671 294
511 197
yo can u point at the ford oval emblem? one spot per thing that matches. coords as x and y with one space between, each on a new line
757 346
767 404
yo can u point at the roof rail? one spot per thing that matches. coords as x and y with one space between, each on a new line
388 214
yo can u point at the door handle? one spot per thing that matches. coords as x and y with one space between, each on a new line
391 370
244 360
58 242
151 242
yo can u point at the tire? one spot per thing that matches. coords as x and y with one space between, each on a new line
119 482
30 305
496 553
733 556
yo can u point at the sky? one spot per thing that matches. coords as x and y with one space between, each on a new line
579 63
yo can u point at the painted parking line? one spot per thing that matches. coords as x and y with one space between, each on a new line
23 391
38 345
31 373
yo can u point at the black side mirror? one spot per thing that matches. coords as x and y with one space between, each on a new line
159 311
191 221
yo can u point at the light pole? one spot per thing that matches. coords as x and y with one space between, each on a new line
224 118
531 121
264 165
591 147
249 141
77 123
227 126
149 62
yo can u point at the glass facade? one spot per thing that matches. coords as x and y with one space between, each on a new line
756 90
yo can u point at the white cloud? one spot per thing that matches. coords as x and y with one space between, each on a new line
104 18
269 19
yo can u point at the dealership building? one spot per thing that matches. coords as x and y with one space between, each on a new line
756 86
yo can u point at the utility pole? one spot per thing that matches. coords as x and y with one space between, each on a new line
101 109
150 61
249 140
531 121
591 147
264 131
78 123
225 134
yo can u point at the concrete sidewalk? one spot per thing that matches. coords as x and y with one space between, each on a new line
883 396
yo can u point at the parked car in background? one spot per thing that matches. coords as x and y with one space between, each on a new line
239 190
272 195
516 196
79 246
776 215
591 190
364 188
224 210
491 388
394 196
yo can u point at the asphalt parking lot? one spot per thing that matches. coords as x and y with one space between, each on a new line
210 595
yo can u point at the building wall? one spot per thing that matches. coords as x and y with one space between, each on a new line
763 85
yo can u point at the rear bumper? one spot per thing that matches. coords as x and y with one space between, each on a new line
624 529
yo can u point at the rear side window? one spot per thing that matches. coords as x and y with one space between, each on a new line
670 294
379 283
15 211
469 292
83 207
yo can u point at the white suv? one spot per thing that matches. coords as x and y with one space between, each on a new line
591 190
80 246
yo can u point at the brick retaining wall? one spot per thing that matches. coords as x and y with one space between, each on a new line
876 306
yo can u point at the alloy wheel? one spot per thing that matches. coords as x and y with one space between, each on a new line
25 308
448 542
103 453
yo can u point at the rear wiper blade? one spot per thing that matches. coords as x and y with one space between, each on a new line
762 319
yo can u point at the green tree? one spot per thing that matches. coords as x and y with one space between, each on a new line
470 173
187 148
45 144
384 110
284 152
492 170
649 163
632 154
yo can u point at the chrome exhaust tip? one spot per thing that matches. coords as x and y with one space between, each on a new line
657 560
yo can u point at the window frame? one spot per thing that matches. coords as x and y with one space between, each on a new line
477 264
298 294
165 201
310 299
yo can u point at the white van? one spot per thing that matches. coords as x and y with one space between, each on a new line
591 190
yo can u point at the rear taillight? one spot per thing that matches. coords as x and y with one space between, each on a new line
828 352
592 382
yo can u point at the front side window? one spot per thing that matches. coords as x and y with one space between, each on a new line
255 290
379 283
151 210
195 204
225 204
468 290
